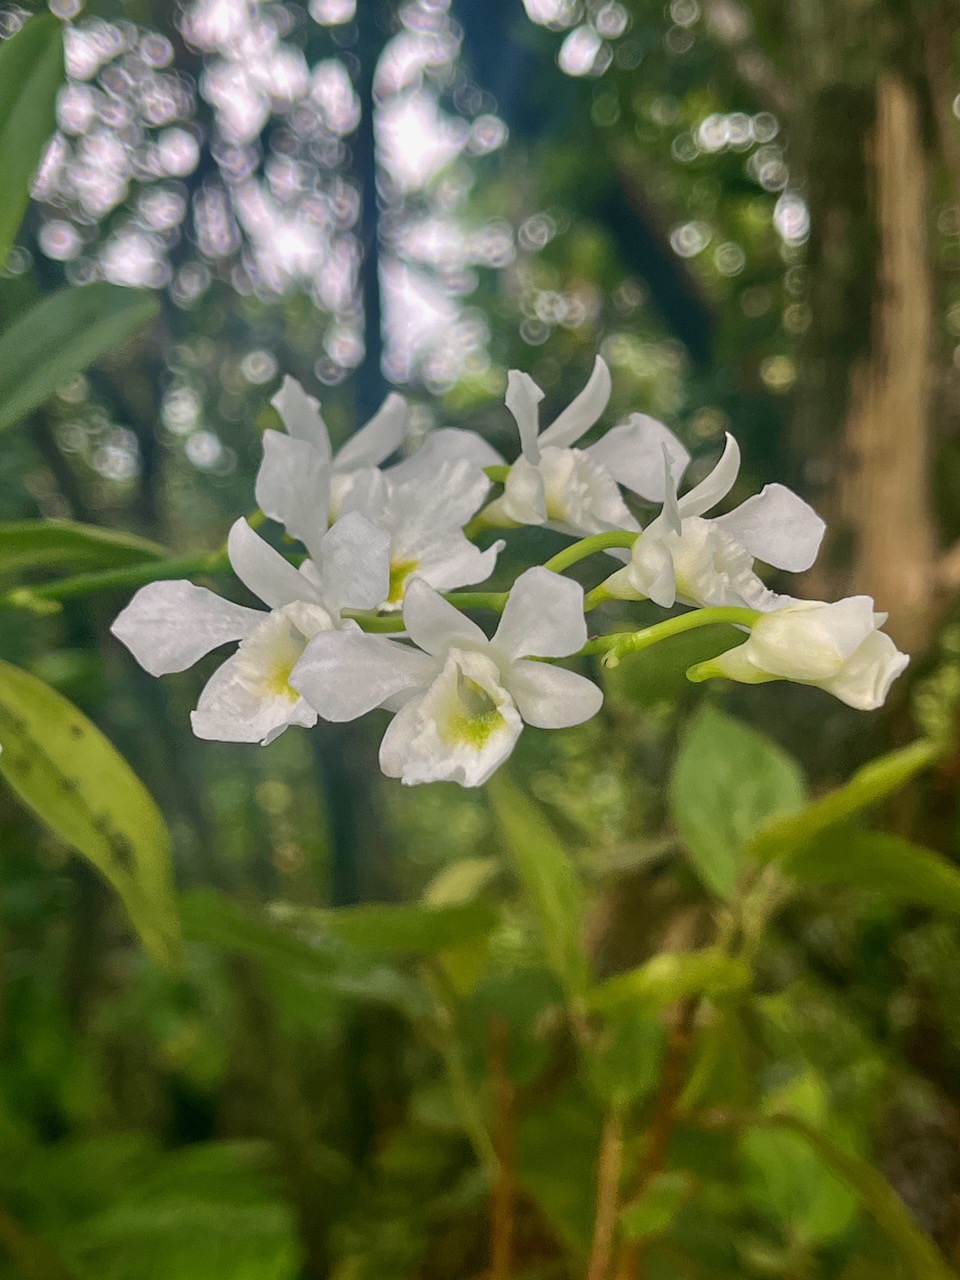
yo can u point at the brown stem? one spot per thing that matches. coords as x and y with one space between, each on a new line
503 1197
631 1262
609 1171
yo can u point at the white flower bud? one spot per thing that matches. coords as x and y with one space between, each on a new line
837 647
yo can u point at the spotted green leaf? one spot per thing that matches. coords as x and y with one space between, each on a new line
80 786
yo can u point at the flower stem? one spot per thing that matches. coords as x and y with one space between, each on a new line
495 600
589 546
375 621
619 643
596 597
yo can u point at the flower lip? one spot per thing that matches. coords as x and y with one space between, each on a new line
460 729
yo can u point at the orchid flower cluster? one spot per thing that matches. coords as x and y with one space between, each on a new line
366 618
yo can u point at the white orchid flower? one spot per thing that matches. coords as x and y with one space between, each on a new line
707 562
577 490
423 502
837 647
304 485
461 699
424 514
168 626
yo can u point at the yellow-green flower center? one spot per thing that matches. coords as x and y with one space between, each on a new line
400 572
476 717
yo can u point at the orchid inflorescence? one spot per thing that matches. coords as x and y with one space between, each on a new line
368 620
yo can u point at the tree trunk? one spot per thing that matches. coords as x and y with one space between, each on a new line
882 513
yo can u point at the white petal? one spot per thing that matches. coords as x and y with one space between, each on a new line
868 674
550 697
366 491
523 400
524 497
777 527
446 444
401 733
300 414
716 485
434 624
354 565
581 497
234 708
454 561
670 515
382 435
582 412
811 641
264 571
653 573
168 626
543 616
430 503
633 454
344 674
293 487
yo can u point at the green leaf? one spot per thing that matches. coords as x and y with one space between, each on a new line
556 1151
325 962
69 547
727 781
625 1062
550 881
661 1201
874 782
461 881
398 928
31 73
669 977
76 782
60 337
790 1177
885 864
879 1199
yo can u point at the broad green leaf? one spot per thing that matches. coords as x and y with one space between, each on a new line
727 781
874 782
398 928
550 881
69 547
556 1153
76 782
790 1178
661 1201
878 1198
326 962
31 73
624 1062
207 916
886 864
60 337
462 881
669 977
